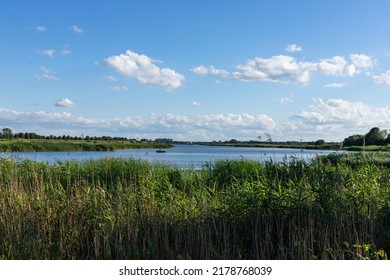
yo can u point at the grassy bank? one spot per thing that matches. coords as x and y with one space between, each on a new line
372 148
131 209
22 145
300 146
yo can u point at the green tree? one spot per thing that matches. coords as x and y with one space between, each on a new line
319 142
374 137
7 133
354 140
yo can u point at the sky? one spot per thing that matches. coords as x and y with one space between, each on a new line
195 70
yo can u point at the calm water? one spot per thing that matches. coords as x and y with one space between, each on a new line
182 155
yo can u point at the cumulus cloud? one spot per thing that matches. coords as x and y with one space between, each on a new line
336 66
293 48
362 61
49 122
65 102
279 68
201 70
346 113
336 119
284 69
383 78
46 74
180 127
143 69
329 119
196 104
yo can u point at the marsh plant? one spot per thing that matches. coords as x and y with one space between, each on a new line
132 209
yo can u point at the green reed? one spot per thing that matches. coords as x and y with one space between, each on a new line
132 209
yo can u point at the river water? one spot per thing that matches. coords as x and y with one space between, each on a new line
181 155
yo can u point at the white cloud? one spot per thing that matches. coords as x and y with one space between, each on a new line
293 48
336 119
118 88
332 120
142 68
109 78
383 78
201 70
335 85
275 69
346 113
41 28
49 53
180 127
46 74
47 123
339 66
77 29
335 66
284 69
65 102
286 100
196 104
362 61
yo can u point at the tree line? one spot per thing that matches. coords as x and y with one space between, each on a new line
375 136
7 133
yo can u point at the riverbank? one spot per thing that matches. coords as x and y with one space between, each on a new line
300 146
231 209
45 145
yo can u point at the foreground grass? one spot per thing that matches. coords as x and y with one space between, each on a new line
131 209
38 145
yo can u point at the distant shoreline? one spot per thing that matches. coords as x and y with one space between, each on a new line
333 146
45 145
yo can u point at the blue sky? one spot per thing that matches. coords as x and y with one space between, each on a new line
195 70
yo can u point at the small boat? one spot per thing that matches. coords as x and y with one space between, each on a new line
160 151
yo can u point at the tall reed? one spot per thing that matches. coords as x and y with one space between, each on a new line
132 209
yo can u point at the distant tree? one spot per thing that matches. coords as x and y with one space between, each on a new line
158 140
319 142
374 137
354 140
7 133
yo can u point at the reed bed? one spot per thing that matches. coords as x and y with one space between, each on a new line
132 209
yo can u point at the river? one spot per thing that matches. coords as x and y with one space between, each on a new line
184 156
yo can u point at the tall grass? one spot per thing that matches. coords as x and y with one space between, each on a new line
132 209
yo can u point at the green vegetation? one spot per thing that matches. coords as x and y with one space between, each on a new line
317 145
375 137
32 142
43 145
378 158
132 209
